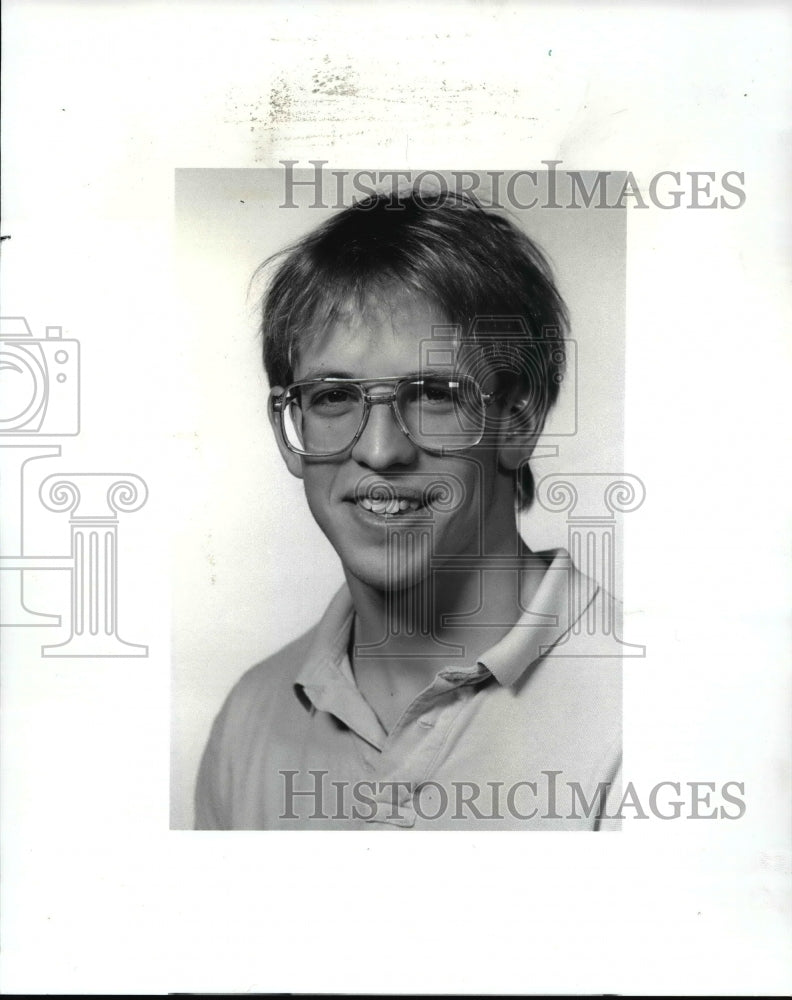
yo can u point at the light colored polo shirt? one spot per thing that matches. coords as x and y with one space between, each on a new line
528 737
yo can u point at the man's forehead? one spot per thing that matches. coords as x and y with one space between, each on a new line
394 306
398 326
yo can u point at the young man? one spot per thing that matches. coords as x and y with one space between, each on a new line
414 348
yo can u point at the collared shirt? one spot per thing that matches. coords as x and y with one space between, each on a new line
528 737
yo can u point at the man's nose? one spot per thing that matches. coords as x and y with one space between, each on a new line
383 443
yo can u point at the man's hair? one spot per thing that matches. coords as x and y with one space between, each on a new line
476 267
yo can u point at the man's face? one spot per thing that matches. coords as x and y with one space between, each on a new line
465 502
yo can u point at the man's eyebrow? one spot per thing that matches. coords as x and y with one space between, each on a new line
418 373
323 373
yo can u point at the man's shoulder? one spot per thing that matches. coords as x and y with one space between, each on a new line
259 710
276 671
268 687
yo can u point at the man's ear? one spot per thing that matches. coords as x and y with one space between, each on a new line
519 430
293 462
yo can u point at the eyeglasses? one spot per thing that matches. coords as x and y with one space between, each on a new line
326 416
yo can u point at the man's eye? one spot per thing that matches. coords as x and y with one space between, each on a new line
438 393
331 399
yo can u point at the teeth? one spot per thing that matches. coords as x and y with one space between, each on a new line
389 507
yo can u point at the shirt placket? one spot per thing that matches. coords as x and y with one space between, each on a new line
412 750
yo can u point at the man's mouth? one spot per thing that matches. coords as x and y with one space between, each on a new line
392 507
390 501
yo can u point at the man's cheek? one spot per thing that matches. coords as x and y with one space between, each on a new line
318 500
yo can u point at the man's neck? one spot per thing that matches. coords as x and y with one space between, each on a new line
450 616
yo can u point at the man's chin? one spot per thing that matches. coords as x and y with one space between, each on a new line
389 579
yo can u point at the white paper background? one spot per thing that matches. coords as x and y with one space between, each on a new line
101 103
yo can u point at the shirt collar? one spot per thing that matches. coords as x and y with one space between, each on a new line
326 675
545 622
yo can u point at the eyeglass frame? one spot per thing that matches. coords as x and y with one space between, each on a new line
369 400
